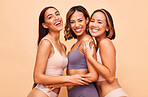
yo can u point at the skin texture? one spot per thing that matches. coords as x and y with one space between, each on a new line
46 50
98 27
78 25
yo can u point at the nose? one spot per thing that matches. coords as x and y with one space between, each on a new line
94 24
77 24
56 17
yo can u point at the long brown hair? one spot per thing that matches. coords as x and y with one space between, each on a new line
42 31
111 33
69 34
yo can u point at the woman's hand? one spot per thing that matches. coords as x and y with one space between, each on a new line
53 86
79 79
76 79
88 51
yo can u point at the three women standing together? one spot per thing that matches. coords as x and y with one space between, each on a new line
83 66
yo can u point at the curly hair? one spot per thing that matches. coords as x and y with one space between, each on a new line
69 34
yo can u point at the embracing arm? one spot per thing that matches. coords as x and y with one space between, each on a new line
108 58
84 81
44 52
91 69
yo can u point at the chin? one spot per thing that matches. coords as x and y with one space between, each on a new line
59 29
79 34
94 35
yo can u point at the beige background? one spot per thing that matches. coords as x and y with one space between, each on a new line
19 33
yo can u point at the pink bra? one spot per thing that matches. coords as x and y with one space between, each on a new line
56 63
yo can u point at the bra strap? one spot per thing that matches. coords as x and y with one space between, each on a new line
79 45
51 43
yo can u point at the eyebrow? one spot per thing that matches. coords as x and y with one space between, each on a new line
99 20
51 14
78 19
57 11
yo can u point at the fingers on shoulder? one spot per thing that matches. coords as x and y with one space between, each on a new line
88 38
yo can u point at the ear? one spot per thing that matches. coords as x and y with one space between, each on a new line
87 20
44 25
107 28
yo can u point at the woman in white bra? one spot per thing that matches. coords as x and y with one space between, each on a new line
101 27
51 56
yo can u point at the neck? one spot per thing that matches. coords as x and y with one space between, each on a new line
98 39
54 36
81 36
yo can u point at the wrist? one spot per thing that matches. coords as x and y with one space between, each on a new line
90 57
67 79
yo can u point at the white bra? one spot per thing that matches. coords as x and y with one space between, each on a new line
99 60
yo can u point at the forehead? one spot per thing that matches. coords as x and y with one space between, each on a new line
50 11
77 15
99 15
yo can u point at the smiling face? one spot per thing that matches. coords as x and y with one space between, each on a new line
98 25
78 23
53 20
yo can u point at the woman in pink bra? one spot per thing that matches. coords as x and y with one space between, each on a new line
77 19
101 27
51 57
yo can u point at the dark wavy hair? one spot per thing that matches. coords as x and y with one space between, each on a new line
111 33
69 34
42 31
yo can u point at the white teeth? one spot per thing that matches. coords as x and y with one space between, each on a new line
94 30
57 23
78 29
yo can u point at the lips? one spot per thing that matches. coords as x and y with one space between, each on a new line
78 30
94 30
58 23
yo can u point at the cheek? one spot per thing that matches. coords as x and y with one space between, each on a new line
91 24
103 27
72 26
48 22
60 17
84 26
84 23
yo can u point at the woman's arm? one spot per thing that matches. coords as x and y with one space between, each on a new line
108 57
92 71
54 86
44 52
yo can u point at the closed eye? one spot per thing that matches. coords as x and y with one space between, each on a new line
71 21
92 21
99 22
57 14
80 20
49 17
